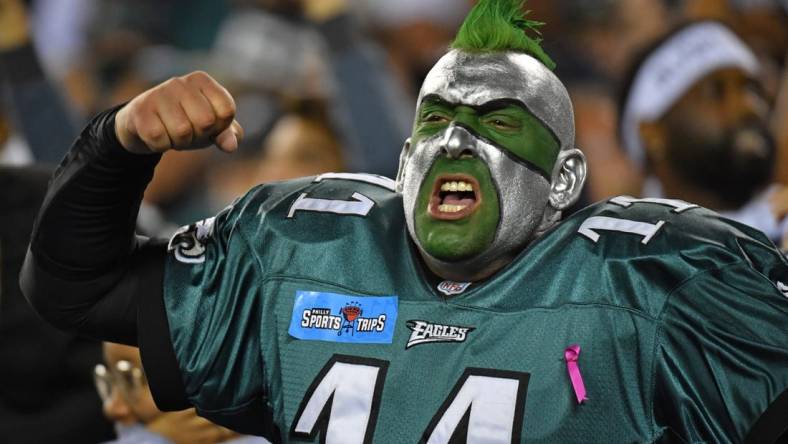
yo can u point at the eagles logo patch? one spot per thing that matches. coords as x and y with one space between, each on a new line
188 243
424 332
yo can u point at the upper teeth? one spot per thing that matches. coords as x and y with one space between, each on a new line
445 208
456 186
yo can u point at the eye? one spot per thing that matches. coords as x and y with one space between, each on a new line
500 124
435 118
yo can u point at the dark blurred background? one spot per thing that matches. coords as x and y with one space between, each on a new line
328 85
320 85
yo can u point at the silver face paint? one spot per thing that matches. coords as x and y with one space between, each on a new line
524 193
475 79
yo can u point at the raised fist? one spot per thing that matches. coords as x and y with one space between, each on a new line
188 112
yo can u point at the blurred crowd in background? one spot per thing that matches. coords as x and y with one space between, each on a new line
320 85
327 85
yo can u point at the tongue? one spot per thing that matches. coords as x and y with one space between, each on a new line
457 199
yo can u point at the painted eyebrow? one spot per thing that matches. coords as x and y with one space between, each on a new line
484 108
488 107
435 100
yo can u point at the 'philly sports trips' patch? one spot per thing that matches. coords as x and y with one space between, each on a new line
335 317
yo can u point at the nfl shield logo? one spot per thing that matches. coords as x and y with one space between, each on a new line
450 287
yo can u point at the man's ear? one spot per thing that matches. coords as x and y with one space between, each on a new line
404 155
569 175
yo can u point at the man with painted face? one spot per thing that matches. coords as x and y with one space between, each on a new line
695 120
448 306
487 170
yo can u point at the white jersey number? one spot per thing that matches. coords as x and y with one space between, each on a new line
343 401
484 406
591 226
678 205
359 205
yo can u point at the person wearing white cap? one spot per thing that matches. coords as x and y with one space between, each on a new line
694 119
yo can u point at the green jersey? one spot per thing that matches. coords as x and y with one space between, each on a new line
306 303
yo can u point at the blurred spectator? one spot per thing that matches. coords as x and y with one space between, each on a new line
780 127
594 40
415 34
60 32
371 110
763 24
316 50
301 143
268 53
694 118
13 150
128 402
32 103
591 43
610 172
256 49
46 395
364 58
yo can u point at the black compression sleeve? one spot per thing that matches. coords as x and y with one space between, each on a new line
85 265
87 271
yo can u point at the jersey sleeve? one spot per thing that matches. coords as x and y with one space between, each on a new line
212 303
722 367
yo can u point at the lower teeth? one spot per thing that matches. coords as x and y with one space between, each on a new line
446 208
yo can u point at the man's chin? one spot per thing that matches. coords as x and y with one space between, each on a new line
451 248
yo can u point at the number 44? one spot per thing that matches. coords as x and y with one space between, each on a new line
343 402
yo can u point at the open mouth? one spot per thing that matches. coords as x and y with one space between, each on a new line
454 196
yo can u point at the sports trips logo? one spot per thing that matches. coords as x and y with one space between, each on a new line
424 332
348 320
343 318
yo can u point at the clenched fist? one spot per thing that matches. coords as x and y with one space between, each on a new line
188 112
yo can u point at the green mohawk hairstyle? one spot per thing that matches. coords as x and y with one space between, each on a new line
500 25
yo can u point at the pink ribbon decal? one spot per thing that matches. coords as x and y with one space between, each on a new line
571 354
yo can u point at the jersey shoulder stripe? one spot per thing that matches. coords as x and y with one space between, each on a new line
671 226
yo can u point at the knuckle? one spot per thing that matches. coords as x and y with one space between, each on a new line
153 132
159 145
142 103
197 76
169 82
226 111
171 88
204 122
148 127
176 84
182 130
156 139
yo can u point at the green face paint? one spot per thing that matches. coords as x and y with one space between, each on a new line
507 125
452 240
